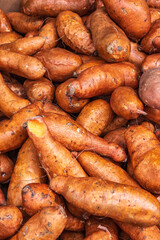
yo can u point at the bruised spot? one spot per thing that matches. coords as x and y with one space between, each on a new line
119 48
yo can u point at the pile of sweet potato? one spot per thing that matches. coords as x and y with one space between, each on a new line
80 120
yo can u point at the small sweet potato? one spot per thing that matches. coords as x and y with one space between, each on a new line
10 221
60 63
151 61
68 235
6 168
9 37
5 25
39 90
153 114
136 56
67 103
73 223
155 14
95 116
116 123
117 136
23 23
110 41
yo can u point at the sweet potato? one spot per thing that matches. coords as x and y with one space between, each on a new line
153 114
110 41
144 151
33 33
151 61
19 64
95 116
101 235
6 168
116 123
125 103
153 3
13 131
87 20
5 25
2 198
73 223
129 204
96 166
10 102
76 138
10 221
67 103
99 4
86 58
53 156
23 23
73 33
151 42
39 90
49 107
47 224
148 125
155 14
149 86
78 212
133 16
49 33
36 196
67 235
34 7
60 63
136 56
27 170
116 136
103 79
9 37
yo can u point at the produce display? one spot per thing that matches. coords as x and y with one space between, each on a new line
80 120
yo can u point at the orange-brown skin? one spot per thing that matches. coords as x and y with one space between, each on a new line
47 224
95 116
148 125
2 198
150 43
10 102
32 33
95 224
36 196
49 107
21 65
68 235
96 166
153 3
77 212
49 33
99 4
116 123
151 61
129 204
5 25
53 156
153 114
27 170
110 41
103 79
155 14
10 221
117 136
73 33
124 236
73 223
125 103
86 58
23 23
39 90
144 151
132 16
60 63
67 103
50 8
87 20
136 56
158 134
149 86
76 138
6 168
9 37
139 232
101 235
13 131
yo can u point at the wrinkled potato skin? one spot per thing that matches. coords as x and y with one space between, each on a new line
5 25
95 116
10 221
153 114
110 41
67 103
9 37
60 63
67 235
151 61
117 136
6 168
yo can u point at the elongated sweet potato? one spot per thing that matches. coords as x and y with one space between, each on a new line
10 221
68 235
110 41
23 23
39 90
19 64
67 103
151 61
155 14
95 116
53 156
144 150
5 25
6 168
50 8
60 63
73 33
129 204
133 16
13 131
9 37
103 79
76 138
10 102
27 170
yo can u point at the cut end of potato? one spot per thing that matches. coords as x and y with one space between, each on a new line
36 126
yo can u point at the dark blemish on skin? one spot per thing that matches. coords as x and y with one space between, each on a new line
24 126
25 190
119 48
44 195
